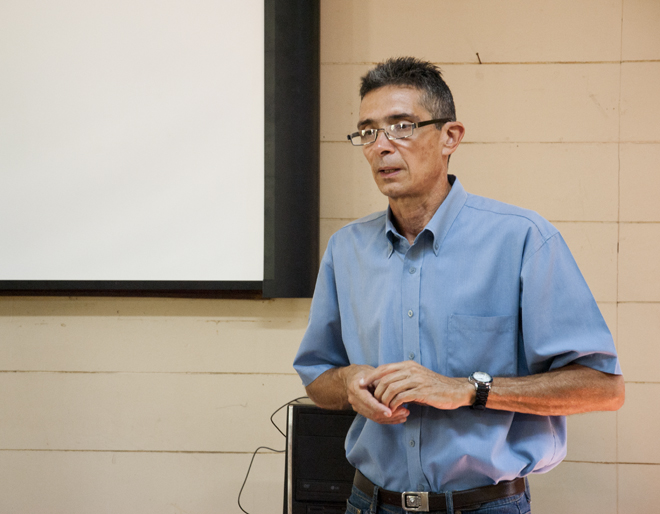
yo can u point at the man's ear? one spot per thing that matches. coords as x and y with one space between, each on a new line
454 135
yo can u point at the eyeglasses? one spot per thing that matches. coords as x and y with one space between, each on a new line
396 131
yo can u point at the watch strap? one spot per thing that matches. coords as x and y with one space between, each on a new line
482 396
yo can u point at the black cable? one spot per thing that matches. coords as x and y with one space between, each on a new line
285 405
265 448
248 473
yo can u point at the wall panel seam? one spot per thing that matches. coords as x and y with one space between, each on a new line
324 139
612 463
503 63
509 142
194 452
230 373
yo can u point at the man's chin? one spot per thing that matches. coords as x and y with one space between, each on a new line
392 191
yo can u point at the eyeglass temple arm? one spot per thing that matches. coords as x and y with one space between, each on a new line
430 122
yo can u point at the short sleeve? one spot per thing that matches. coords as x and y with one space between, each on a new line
322 347
560 320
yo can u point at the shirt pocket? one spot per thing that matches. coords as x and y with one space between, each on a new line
482 343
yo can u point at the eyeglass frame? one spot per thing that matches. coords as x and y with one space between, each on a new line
389 136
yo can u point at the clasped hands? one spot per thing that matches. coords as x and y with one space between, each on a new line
381 394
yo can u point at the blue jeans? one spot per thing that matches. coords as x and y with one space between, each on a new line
360 503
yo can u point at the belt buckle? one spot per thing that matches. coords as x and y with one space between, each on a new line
415 501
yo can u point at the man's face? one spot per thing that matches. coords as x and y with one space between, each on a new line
403 168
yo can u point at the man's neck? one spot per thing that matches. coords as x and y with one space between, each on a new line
412 214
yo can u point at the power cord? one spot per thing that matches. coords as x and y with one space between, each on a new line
265 448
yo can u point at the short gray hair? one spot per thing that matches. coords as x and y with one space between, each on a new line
414 73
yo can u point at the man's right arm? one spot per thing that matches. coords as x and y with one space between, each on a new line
341 388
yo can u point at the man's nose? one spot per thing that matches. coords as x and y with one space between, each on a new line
382 143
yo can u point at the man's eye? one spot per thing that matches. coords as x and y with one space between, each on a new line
401 126
367 132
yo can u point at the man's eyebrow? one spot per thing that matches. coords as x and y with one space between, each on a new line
389 119
364 123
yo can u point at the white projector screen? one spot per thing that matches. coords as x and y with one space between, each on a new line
131 140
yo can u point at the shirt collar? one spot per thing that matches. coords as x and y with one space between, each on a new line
440 223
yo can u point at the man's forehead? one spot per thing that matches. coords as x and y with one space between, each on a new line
391 102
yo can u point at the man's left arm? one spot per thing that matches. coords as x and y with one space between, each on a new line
572 389
568 360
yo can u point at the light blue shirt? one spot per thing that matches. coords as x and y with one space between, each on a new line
486 286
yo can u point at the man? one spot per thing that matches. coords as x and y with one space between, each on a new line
457 327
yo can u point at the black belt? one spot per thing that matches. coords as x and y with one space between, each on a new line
425 502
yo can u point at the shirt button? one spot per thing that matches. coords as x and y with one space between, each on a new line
411 355
412 443
410 313
412 270
437 246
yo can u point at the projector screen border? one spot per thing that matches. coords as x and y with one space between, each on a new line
291 168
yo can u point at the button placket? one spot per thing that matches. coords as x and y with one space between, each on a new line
410 294
410 300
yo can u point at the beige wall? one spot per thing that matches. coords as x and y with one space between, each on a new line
138 405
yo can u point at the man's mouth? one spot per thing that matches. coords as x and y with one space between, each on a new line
389 170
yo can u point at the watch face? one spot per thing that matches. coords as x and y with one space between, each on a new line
480 376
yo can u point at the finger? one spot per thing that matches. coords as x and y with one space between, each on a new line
387 369
401 411
369 404
393 376
391 421
381 392
398 417
378 373
391 386
401 399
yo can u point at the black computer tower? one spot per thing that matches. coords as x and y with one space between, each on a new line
318 478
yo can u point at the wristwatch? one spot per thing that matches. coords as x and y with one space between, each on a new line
482 382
